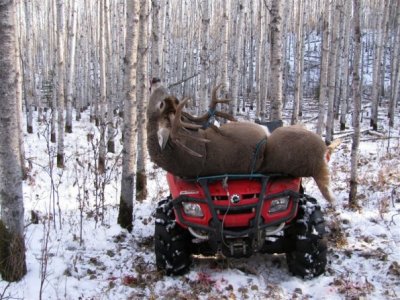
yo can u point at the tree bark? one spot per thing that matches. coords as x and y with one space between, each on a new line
298 88
395 78
155 39
276 83
101 165
334 45
205 24
12 245
376 75
237 60
130 120
71 89
344 99
110 81
60 83
28 72
224 48
142 96
357 105
323 87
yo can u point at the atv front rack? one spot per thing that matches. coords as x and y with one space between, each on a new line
216 230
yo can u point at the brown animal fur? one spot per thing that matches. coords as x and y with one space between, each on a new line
299 152
231 149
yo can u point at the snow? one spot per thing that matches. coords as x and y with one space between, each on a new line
111 263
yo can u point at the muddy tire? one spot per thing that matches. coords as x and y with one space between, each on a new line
172 242
306 256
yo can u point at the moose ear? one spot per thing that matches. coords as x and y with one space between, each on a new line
163 136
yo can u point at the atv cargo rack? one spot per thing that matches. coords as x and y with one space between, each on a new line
236 214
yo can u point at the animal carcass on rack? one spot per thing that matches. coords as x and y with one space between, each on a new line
178 144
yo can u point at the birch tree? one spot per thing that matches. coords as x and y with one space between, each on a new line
155 39
71 70
345 65
323 87
19 83
263 60
377 68
60 83
111 82
395 76
142 96
12 245
237 59
52 35
334 47
205 24
103 87
224 48
298 88
28 71
276 83
130 120
357 105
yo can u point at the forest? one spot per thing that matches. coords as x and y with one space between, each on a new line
78 190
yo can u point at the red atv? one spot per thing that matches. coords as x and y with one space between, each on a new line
237 216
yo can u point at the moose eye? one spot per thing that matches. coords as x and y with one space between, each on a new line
162 104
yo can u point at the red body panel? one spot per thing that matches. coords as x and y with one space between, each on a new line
247 190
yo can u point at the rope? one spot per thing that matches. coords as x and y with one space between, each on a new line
258 146
211 117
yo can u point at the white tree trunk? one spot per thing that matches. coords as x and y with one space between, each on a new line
259 61
110 80
71 88
205 24
276 79
376 75
345 66
130 120
155 40
166 43
395 78
103 87
28 71
323 87
237 60
334 45
142 96
225 50
60 83
299 59
12 255
264 60
357 105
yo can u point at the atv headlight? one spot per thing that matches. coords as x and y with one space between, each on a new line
279 204
192 209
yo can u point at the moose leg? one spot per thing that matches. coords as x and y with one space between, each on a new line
323 183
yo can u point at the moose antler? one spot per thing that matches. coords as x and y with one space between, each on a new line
211 109
177 124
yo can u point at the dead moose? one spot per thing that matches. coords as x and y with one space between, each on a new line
178 143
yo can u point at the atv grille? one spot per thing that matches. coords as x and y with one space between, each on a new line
242 196
236 211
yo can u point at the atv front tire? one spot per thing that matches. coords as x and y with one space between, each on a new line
307 255
172 242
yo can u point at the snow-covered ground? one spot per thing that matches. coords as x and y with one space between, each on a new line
77 251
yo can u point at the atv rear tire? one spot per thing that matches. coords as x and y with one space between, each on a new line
172 242
307 255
